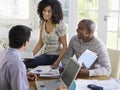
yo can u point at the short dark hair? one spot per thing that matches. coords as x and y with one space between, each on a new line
89 24
57 13
18 35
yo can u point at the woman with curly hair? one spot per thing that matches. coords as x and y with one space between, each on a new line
52 41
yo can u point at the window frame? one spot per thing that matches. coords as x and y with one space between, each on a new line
29 22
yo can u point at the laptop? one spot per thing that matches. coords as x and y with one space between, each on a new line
66 78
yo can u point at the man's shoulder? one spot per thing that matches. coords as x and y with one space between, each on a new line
17 65
97 40
74 37
98 44
14 60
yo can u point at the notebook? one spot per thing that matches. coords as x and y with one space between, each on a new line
67 77
88 58
46 71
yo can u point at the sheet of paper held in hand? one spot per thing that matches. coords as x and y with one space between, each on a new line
88 58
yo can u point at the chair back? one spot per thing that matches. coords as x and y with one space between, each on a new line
115 62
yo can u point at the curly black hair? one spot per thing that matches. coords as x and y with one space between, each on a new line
57 13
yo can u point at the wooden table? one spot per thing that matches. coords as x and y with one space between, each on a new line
32 83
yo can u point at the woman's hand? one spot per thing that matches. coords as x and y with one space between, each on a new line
55 64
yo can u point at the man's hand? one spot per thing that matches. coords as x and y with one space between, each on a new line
31 76
84 72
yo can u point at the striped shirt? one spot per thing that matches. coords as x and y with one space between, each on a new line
102 65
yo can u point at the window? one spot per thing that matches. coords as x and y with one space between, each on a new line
65 7
113 25
88 9
15 12
106 15
14 9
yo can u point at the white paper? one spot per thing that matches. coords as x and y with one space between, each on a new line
111 84
88 57
81 84
46 71
41 69
51 73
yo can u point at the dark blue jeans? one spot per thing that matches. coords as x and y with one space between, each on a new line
43 59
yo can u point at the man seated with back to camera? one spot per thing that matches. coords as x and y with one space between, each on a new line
13 74
85 39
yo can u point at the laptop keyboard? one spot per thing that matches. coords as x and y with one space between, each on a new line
51 85
42 86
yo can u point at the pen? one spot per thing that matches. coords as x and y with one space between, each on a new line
38 70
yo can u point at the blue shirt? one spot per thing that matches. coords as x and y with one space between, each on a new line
12 71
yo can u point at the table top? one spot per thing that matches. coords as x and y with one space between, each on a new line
32 83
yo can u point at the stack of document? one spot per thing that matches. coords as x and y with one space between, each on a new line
111 84
46 71
88 58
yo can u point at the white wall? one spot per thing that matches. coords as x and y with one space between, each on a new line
73 18
102 23
32 22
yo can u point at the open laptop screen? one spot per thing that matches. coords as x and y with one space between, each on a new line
70 72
